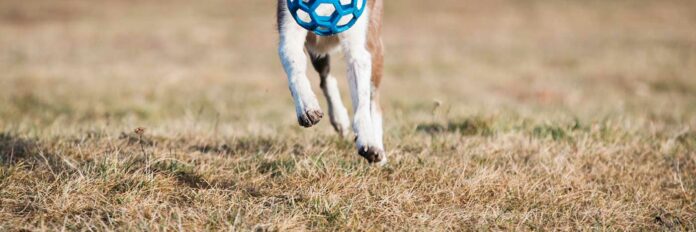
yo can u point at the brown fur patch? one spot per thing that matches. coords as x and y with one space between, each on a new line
374 41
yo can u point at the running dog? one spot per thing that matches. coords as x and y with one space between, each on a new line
363 51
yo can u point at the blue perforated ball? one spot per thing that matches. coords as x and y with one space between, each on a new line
326 17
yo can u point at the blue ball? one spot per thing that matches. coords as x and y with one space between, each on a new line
326 17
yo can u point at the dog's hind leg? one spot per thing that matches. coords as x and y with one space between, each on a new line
337 112
291 52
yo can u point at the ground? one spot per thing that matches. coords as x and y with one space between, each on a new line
500 115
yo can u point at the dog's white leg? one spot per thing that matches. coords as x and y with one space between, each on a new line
337 112
359 61
291 51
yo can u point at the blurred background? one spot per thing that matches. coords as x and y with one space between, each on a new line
161 62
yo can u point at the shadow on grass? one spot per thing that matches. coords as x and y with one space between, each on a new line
245 145
28 154
184 174
476 126
277 168
14 149
253 145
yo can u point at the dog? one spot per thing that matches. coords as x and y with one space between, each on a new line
363 50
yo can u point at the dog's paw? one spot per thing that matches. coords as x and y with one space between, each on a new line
342 128
309 117
373 154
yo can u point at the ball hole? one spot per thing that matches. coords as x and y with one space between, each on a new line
344 20
304 16
325 9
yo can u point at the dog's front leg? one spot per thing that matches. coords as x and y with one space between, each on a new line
291 51
359 61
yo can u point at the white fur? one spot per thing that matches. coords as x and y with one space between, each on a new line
337 112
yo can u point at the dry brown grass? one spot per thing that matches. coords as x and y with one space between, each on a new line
555 115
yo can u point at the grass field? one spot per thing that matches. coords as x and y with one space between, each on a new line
500 115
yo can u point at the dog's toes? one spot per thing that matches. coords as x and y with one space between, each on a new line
372 154
310 118
340 129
